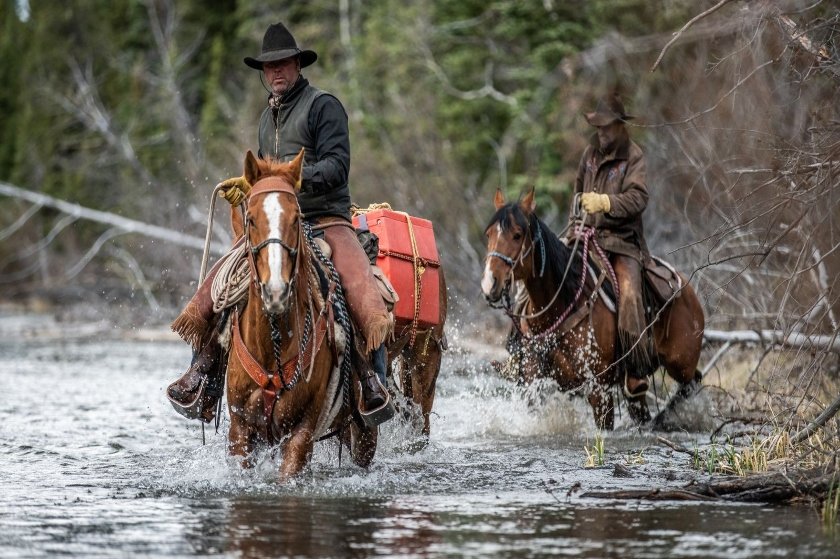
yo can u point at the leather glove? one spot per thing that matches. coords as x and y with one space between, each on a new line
595 203
235 190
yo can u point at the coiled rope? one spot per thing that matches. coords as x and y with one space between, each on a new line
231 282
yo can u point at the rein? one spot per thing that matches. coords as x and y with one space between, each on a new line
587 238
584 236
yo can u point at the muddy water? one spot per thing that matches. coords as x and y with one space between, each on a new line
94 463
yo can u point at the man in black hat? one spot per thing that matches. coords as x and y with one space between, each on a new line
613 192
298 115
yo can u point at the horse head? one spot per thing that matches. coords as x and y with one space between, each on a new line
273 230
511 235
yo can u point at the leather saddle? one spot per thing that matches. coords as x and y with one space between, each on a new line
661 280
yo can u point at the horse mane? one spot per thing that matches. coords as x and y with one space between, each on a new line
556 252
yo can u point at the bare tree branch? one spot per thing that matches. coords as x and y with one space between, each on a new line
679 33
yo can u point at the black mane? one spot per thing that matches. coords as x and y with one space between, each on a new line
556 253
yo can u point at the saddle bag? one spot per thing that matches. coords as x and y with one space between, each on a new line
407 255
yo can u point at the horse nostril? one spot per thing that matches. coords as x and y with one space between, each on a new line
274 296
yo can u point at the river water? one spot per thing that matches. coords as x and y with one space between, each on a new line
95 463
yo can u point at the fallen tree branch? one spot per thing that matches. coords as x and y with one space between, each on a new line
820 421
674 446
119 222
776 337
650 495
776 487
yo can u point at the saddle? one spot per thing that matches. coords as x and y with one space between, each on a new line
661 280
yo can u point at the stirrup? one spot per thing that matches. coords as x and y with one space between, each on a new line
383 413
627 392
195 408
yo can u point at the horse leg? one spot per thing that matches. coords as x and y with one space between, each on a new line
406 387
239 443
603 407
297 452
241 433
424 366
686 391
362 443
638 409
679 339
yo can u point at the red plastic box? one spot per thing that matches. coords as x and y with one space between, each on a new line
397 262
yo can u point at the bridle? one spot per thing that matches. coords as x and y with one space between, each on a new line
265 186
513 262
273 240
538 238
277 185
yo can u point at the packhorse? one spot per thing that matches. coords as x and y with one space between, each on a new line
566 329
419 355
417 345
288 370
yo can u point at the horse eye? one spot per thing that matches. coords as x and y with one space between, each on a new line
517 236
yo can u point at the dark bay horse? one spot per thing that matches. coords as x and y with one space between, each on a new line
287 376
568 332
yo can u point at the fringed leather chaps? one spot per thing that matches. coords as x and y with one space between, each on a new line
195 323
632 337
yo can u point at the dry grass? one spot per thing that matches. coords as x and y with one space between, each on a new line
595 454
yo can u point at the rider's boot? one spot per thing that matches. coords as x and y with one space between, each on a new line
196 394
376 406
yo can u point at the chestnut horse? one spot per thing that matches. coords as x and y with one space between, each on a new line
568 332
419 363
288 375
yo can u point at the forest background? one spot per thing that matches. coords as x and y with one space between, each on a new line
138 108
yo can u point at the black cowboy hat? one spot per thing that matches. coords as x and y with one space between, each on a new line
608 110
278 43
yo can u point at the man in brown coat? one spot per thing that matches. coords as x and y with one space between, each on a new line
613 193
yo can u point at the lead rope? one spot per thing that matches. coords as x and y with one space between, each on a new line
205 257
419 269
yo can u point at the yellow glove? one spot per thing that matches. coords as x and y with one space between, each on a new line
595 203
235 190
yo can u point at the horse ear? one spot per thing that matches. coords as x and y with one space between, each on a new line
296 168
252 169
528 203
499 200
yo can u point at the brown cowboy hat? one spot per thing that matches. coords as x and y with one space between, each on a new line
278 43
609 110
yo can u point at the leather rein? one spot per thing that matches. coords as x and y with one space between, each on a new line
586 234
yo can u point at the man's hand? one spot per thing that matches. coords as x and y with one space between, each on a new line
235 190
594 203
